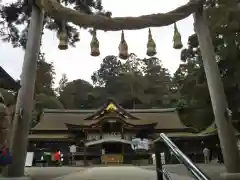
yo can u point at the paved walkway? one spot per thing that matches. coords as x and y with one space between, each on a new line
211 170
178 172
117 173
48 173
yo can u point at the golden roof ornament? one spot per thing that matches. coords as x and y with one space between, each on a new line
62 36
123 48
94 45
151 45
111 107
177 41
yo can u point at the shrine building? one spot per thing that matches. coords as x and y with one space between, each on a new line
105 135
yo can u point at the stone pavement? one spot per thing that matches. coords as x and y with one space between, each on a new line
47 173
213 171
117 173
178 172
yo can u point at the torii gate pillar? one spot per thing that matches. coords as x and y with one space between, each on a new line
218 98
24 107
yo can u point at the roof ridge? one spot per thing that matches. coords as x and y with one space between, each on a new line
94 110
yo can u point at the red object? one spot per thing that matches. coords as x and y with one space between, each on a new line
4 150
57 156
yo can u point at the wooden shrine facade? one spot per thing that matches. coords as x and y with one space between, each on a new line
105 134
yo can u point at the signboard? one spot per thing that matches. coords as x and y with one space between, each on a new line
112 135
91 137
29 159
73 148
138 143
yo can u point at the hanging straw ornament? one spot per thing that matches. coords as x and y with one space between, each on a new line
94 45
123 48
62 36
177 42
151 45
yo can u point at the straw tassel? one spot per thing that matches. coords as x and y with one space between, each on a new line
151 45
123 48
177 42
94 45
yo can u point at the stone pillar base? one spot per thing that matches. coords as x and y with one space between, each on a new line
230 176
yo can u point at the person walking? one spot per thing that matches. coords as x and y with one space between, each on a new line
206 154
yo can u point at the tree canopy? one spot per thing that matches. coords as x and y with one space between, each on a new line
136 82
15 19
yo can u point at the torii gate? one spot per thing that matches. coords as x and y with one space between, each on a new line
59 12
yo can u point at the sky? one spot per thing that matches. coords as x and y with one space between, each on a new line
77 62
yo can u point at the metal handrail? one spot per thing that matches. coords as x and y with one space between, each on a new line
196 172
166 174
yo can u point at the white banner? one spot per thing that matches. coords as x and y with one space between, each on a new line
138 143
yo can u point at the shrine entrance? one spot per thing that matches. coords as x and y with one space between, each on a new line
112 150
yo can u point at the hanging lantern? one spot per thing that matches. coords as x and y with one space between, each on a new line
151 45
94 44
123 48
177 42
62 36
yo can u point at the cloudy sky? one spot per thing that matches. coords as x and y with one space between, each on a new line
77 62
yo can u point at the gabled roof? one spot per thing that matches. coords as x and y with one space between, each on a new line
108 106
109 116
7 82
162 119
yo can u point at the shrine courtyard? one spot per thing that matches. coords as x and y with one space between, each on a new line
118 172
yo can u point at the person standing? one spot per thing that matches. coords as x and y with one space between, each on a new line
206 154
171 157
58 158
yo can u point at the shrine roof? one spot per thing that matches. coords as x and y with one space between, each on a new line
133 122
7 82
209 131
166 119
